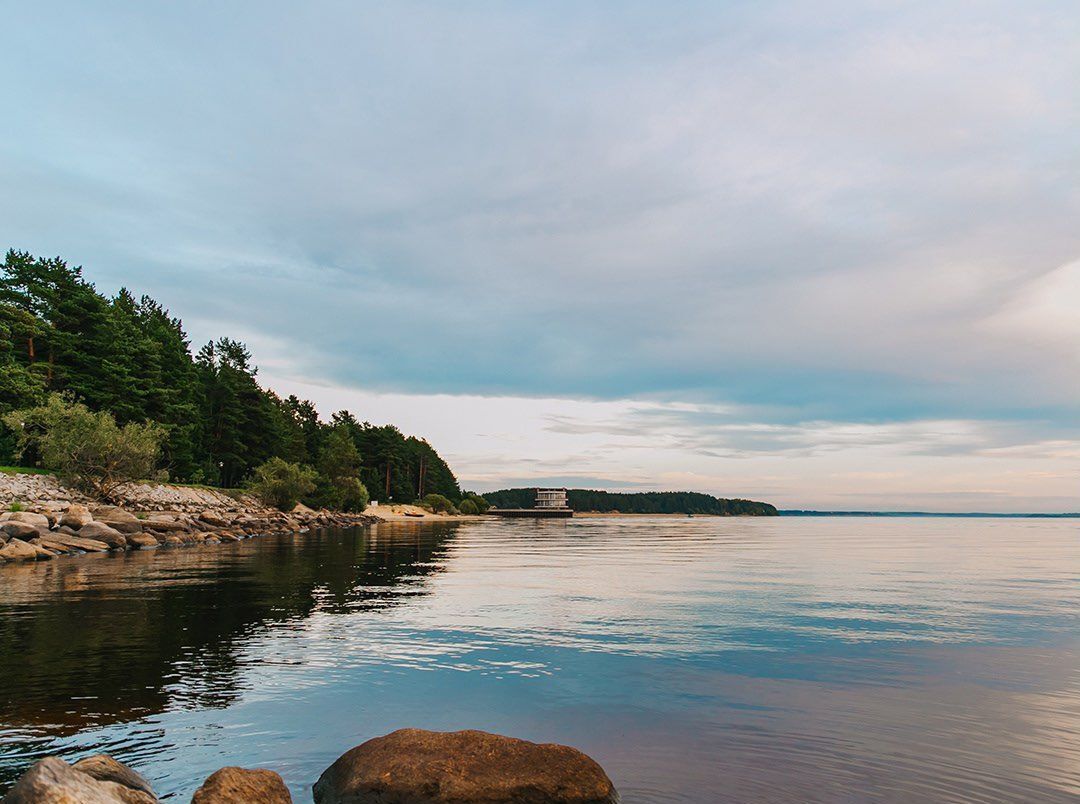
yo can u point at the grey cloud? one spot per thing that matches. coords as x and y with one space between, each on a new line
809 209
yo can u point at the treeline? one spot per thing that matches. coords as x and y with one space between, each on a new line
644 502
129 356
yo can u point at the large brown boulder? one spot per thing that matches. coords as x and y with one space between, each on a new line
22 530
118 519
113 513
217 519
241 786
18 550
412 766
106 769
37 520
53 781
165 525
140 540
103 533
76 516
58 540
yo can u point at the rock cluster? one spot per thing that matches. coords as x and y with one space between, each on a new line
53 528
409 766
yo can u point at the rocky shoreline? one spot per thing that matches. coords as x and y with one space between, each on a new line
409 766
44 519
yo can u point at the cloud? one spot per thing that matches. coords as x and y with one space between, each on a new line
853 223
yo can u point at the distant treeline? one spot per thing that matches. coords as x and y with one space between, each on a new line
129 356
644 502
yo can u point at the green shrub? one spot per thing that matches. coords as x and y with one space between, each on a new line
438 503
481 504
16 506
467 506
86 448
282 484
348 494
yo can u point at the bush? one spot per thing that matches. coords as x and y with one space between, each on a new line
481 504
348 494
467 506
438 503
282 484
86 448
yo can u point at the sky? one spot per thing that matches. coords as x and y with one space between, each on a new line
824 254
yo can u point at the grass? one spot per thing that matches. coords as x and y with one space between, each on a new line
16 507
24 470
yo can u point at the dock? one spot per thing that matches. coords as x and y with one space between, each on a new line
533 513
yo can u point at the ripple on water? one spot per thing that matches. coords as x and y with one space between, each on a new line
697 659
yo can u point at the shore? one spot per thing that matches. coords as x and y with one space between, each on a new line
43 519
414 513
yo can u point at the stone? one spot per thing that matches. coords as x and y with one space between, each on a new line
22 530
413 766
18 550
166 525
103 533
241 786
41 550
106 769
37 520
76 516
126 526
56 547
53 781
77 542
140 540
215 518
112 514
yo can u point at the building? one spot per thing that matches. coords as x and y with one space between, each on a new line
551 499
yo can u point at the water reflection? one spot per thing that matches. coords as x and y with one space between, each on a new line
89 641
699 660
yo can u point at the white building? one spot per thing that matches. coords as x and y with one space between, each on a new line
552 499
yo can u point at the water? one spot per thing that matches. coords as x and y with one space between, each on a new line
702 660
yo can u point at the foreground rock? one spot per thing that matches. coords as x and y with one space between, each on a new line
103 533
412 766
76 516
18 550
240 785
106 769
53 781
29 517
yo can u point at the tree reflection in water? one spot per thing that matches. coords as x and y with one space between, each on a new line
98 639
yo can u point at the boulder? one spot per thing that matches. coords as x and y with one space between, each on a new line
112 513
140 540
413 766
56 547
41 550
76 542
53 781
18 550
106 769
76 516
241 786
216 518
165 525
22 530
126 526
37 520
103 533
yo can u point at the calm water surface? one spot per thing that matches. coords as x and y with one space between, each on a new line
697 659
